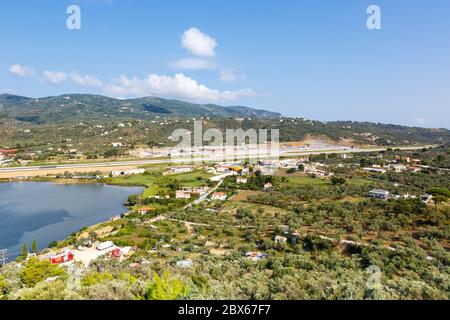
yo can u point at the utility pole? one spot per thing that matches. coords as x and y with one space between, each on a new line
3 257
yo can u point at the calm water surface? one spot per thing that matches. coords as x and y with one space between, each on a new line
48 212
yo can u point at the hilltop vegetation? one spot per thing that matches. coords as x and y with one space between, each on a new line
50 127
94 138
80 107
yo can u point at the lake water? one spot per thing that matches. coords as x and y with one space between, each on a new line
48 212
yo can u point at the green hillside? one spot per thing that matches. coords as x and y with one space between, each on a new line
84 106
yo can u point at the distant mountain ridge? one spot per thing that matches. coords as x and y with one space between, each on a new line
82 106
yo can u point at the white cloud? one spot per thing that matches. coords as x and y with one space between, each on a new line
229 75
55 77
420 120
85 80
178 86
193 64
20 71
198 43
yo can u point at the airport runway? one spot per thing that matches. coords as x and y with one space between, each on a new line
136 163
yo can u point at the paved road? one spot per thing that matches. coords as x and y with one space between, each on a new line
187 160
205 196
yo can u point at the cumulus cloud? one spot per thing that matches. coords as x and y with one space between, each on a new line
59 77
178 86
85 80
55 77
198 43
20 71
192 64
229 75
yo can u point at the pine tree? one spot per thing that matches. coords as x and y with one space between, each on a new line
24 250
34 246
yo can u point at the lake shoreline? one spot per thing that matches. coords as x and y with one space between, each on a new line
83 208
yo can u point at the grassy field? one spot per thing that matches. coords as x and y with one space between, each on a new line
305 180
155 183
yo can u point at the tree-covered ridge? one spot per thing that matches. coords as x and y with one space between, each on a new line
94 137
87 107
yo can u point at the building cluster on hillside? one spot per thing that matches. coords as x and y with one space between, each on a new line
154 152
385 195
223 170
7 156
87 253
293 163
318 169
399 164
178 170
188 192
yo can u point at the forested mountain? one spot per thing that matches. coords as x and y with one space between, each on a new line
155 119
85 106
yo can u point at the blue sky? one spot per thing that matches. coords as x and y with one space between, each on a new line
310 58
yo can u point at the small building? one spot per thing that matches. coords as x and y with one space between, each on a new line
185 264
280 239
105 245
379 194
182 194
222 168
62 258
267 185
129 172
177 170
145 210
241 180
415 169
398 167
374 170
120 252
200 190
426 198
219 196
255 256
8 153
294 237
289 164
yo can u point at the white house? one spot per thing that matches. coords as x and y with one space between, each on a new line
398 167
241 180
280 239
379 194
374 170
200 190
176 170
219 196
426 198
182 194
268 185
184 264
